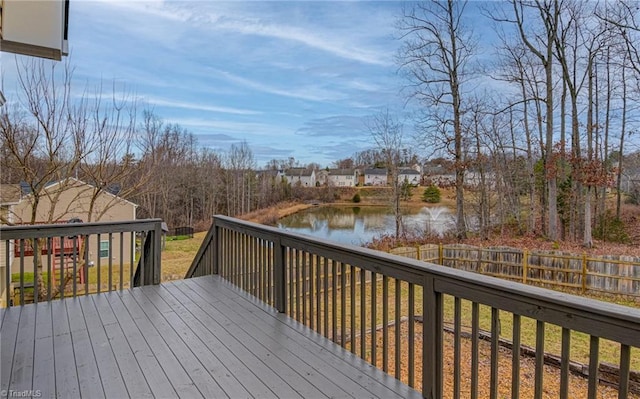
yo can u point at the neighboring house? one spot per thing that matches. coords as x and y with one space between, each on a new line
342 177
438 175
69 199
473 178
274 175
411 176
375 177
322 177
630 180
9 197
302 176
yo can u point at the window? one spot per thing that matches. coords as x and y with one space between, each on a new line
104 249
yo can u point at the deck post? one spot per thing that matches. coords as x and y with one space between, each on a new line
213 245
432 340
279 271
157 254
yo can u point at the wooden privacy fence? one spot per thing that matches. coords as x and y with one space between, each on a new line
618 275
420 322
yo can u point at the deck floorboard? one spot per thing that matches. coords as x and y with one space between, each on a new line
200 337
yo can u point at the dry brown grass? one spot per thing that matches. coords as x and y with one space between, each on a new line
577 386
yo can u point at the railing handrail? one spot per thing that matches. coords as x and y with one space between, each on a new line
70 229
581 314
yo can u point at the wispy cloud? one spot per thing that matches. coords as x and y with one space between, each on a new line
311 93
333 126
197 106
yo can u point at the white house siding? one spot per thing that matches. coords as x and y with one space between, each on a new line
340 178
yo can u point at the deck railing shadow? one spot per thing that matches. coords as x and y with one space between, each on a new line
407 317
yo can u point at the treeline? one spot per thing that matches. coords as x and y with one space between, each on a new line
541 118
46 136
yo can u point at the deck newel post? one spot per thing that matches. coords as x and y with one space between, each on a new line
432 338
279 276
215 258
157 253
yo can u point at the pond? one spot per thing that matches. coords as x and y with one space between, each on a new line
359 225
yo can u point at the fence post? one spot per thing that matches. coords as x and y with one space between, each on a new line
418 257
584 272
440 254
525 266
279 281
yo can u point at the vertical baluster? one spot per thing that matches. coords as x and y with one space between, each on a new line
312 290
318 294
99 280
121 274
515 358
411 345
594 349
36 255
343 304
305 291
398 343
352 310
385 324
132 258
260 269
457 323
495 338
475 327
625 365
334 316
374 322
290 282
61 256
363 314
565 358
21 271
296 259
539 373
74 255
49 267
326 297
110 262
87 260
7 272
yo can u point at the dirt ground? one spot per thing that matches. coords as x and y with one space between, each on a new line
578 387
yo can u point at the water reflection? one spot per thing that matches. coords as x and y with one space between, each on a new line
359 225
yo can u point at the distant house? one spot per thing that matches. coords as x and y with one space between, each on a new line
10 195
322 177
410 176
302 176
65 200
375 177
438 175
342 177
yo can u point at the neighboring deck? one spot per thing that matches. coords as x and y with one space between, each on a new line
200 337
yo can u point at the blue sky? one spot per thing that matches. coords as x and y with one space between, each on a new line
291 78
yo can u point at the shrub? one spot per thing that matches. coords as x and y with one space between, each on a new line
356 198
611 229
431 194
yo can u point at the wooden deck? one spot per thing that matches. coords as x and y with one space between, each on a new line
199 337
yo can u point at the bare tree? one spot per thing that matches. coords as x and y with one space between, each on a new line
435 58
387 133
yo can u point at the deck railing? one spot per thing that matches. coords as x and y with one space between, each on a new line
45 262
424 323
